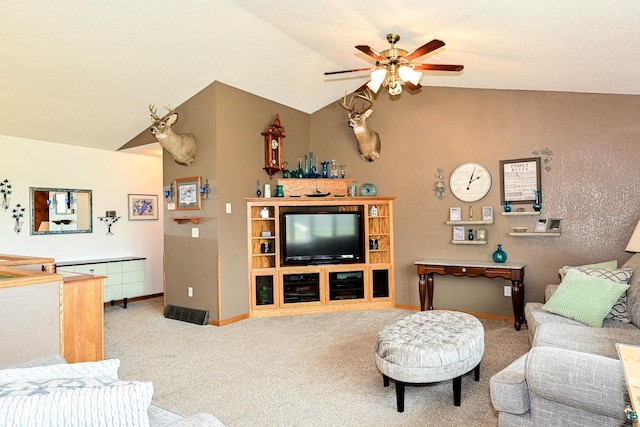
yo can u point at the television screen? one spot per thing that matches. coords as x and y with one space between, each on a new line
322 237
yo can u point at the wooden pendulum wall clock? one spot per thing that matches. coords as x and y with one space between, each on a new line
273 139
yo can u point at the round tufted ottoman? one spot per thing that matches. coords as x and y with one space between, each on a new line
430 346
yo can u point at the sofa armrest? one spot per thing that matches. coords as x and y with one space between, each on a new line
579 380
202 419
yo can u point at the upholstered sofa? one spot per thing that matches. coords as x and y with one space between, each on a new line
572 375
49 392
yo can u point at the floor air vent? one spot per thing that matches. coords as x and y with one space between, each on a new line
191 315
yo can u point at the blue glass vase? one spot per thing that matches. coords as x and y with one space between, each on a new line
537 205
499 255
506 206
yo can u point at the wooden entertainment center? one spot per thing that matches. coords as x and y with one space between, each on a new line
279 289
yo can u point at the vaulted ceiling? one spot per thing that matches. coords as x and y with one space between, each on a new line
84 72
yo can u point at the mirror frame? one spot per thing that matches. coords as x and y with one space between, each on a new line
32 190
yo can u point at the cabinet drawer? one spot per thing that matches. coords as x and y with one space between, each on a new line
97 269
132 276
112 293
134 289
466 271
114 267
132 265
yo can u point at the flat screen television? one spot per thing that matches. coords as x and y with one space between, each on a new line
312 238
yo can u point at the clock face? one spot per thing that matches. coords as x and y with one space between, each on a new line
274 144
470 182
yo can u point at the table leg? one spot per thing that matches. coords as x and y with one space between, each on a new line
430 290
422 290
517 299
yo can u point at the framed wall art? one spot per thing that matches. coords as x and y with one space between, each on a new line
518 179
554 225
143 207
188 193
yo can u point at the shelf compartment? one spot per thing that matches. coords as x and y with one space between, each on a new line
469 242
346 285
526 213
469 222
534 234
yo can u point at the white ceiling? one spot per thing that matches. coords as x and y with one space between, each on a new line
84 72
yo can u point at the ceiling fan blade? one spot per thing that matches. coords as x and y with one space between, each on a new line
328 73
424 49
372 53
438 67
412 86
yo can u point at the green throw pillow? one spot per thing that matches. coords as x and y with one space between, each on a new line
585 298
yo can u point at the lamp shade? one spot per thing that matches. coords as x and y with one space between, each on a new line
408 74
377 78
634 242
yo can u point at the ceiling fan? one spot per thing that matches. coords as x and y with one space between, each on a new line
394 66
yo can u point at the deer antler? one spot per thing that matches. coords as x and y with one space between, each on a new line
153 110
366 95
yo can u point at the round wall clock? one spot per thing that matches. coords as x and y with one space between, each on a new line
470 182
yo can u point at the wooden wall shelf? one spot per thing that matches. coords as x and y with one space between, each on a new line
526 213
183 219
535 234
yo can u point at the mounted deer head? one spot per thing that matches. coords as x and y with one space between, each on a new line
181 147
368 140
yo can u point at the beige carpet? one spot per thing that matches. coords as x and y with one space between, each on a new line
307 370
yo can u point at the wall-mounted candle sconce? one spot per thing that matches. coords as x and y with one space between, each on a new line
5 194
109 220
169 193
205 190
440 184
18 213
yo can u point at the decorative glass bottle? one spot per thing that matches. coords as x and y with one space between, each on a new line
499 255
507 206
537 205
471 234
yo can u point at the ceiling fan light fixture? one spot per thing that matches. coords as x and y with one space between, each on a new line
377 78
408 74
395 88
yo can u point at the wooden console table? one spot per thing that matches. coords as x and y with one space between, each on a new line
513 271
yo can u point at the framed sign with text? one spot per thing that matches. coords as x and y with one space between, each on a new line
518 179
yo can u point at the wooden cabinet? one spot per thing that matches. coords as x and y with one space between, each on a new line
279 289
125 277
83 317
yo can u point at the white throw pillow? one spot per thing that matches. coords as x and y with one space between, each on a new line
121 404
101 369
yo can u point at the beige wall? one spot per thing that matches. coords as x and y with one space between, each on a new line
593 184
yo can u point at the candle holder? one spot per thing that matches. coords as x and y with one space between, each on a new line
5 194
109 221
18 213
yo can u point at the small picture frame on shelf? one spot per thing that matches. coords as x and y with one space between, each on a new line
541 226
455 214
487 213
481 234
554 225
458 233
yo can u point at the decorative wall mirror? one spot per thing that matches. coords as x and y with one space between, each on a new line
60 211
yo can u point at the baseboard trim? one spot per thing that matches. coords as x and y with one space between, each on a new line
119 301
229 320
487 316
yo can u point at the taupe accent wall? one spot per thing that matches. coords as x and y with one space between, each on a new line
593 184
